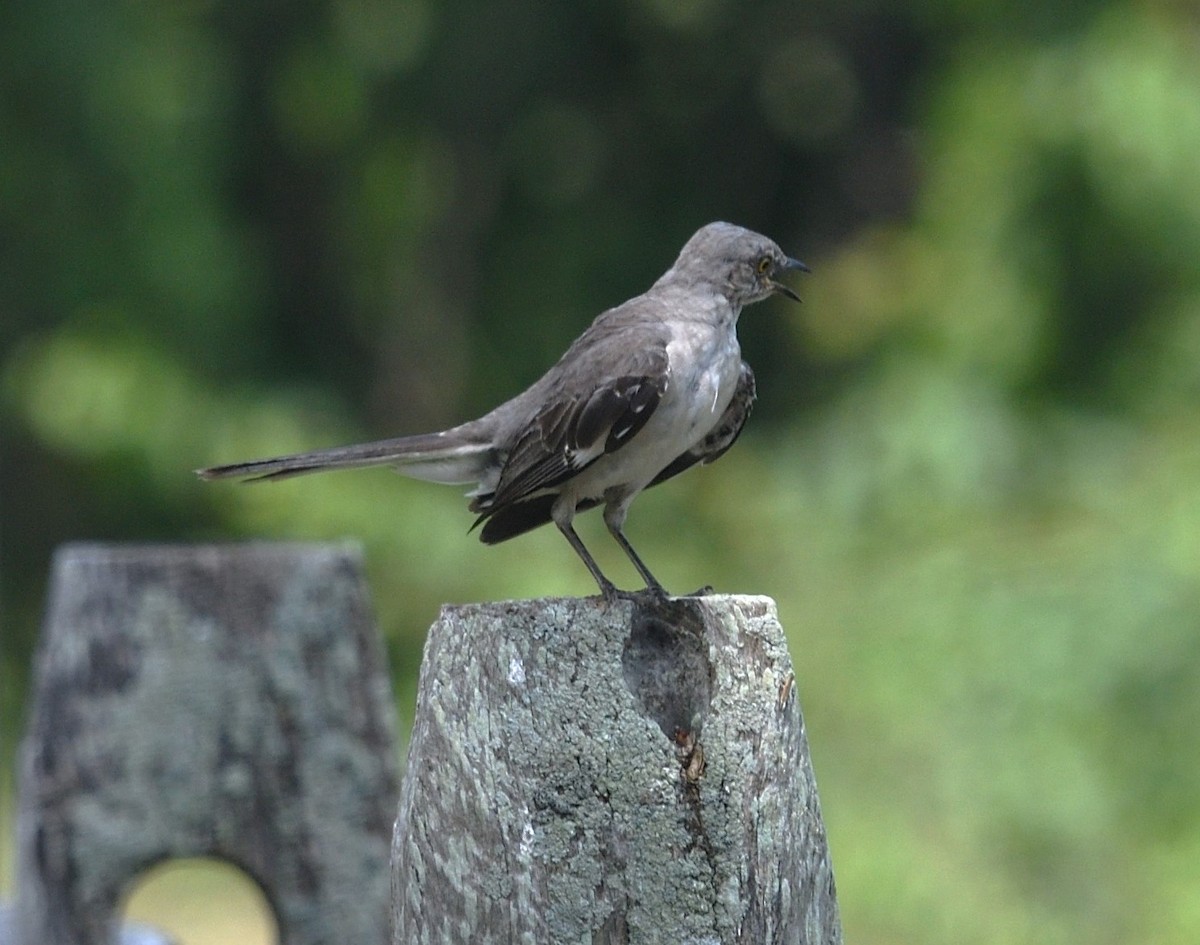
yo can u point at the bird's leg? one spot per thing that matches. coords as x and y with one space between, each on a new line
607 588
614 518
652 584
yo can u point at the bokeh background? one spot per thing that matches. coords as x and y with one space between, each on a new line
973 479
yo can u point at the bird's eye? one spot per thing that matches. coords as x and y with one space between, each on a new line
764 265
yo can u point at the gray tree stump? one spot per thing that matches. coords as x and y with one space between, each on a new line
225 701
634 774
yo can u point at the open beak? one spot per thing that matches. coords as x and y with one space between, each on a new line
787 290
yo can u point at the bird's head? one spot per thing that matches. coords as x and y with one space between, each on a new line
742 264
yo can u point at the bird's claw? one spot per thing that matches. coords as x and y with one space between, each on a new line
612 594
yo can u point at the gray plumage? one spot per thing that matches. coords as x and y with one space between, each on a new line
651 388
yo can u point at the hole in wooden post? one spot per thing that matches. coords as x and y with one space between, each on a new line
666 666
202 901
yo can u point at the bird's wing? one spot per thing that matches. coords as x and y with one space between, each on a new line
723 435
627 376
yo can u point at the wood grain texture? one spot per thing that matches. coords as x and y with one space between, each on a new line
225 701
635 773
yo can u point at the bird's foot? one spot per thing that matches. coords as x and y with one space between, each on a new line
616 596
612 593
654 592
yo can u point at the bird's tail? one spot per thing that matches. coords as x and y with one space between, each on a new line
450 457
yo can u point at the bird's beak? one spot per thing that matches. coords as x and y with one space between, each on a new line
782 289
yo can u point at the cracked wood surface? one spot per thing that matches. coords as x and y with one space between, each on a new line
625 775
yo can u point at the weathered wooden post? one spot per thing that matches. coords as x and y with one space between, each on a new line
225 701
635 773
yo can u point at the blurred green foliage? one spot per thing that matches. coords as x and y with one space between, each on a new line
973 482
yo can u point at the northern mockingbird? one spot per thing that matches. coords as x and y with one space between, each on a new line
651 388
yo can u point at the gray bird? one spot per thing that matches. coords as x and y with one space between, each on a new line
651 388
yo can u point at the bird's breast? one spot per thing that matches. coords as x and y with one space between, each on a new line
705 365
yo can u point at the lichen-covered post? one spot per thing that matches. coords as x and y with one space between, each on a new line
635 773
228 701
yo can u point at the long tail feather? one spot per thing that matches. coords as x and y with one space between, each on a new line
436 457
